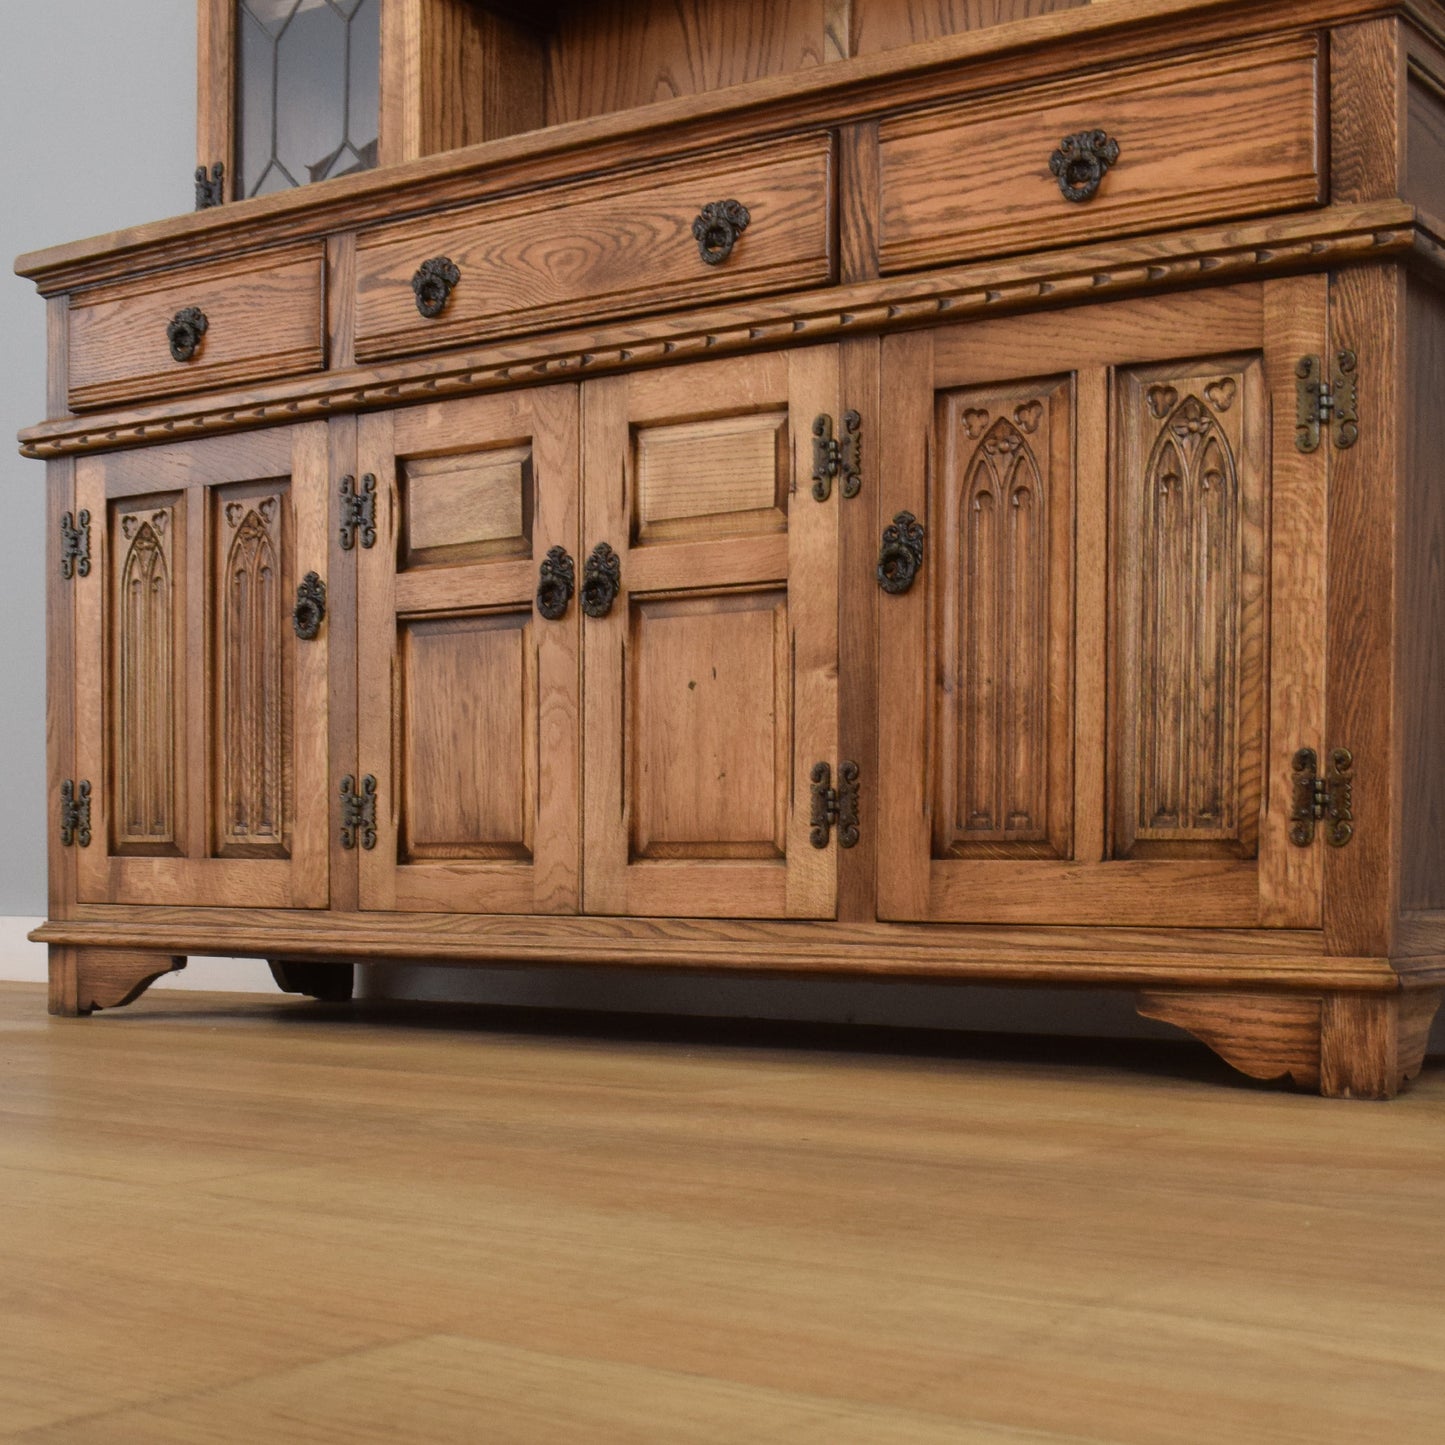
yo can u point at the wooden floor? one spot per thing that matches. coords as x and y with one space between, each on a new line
264 1221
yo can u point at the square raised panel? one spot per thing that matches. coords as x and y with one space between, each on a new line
718 477
468 508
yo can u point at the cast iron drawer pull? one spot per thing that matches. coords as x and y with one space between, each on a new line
717 230
310 610
601 581
433 285
1081 163
558 582
902 553
185 332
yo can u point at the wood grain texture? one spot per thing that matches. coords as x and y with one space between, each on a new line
1231 133
858 182
1367 105
891 24
1267 1036
264 321
616 248
60 699
1423 178
216 88
1212 256
614 55
1371 1046
83 980
1362 881
833 1240
1420 545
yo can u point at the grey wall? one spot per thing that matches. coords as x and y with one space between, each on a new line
97 131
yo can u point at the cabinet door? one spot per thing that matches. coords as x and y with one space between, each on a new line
1092 693
201 716
469 694
711 684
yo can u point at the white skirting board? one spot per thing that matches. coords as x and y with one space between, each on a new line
1082 1012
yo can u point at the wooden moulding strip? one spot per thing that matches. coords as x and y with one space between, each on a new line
814 953
1244 252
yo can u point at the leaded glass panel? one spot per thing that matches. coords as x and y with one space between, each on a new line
308 91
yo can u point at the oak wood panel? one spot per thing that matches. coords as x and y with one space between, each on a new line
1362 881
617 247
1267 1036
265 319
216 88
613 55
1296 323
341 301
1423 178
890 24
1371 1045
1244 252
83 980
1367 101
744 633
858 201
971 63
470 699
149 733
60 692
1226 134
466 508
341 623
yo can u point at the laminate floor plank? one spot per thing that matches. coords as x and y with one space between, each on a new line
247 1220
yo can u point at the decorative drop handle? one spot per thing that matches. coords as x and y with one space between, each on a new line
601 581
310 610
901 554
185 332
433 284
1081 163
557 584
717 229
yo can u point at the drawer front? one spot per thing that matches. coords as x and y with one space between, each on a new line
604 248
208 326
1234 133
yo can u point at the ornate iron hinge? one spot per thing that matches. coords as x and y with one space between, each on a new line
74 545
75 813
1335 401
358 512
835 807
835 456
1329 799
210 189
358 812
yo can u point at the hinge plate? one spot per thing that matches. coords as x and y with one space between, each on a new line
1327 799
75 813
358 512
834 807
74 545
837 457
358 813
1318 401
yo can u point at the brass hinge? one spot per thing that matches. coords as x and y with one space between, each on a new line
75 813
358 512
1329 799
358 812
835 807
74 545
835 456
1319 401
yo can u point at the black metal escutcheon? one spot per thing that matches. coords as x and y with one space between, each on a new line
601 581
310 610
901 555
185 332
1081 162
717 229
558 583
433 284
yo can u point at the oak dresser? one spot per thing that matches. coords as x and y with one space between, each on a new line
944 490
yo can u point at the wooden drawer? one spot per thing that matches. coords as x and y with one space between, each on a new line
611 246
264 318
1232 133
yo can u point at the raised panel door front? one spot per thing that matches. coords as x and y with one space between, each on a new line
469 688
1078 723
711 679
202 724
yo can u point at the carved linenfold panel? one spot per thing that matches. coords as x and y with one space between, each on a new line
251 668
1189 544
1006 592
146 538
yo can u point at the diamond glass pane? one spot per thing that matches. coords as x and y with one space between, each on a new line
308 91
